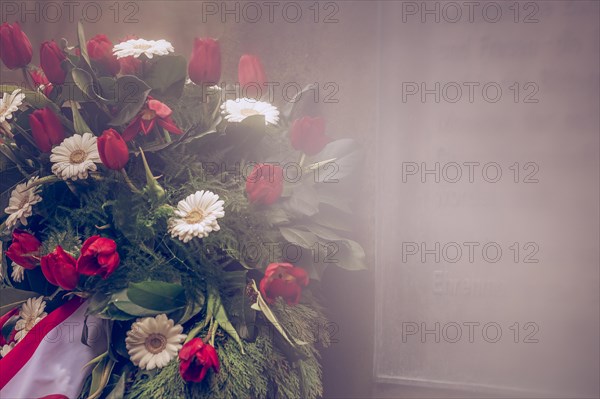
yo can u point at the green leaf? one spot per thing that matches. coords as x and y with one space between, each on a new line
166 72
303 201
118 391
157 295
302 238
100 376
261 305
9 326
12 297
302 104
121 301
131 94
84 82
33 98
193 307
346 156
82 43
78 122
214 308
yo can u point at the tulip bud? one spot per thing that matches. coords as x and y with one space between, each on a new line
113 150
205 62
24 250
16 47
99 49
59 268
41 81
46 129
250 70
51 58
264 184
308 135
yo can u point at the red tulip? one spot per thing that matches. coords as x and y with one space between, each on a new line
98 257
205 62
264 185
41 81
154 112
51 58
308 135
59 267
16 47
250 70
283 280
196 358
113 150
99 49
24 250
46 129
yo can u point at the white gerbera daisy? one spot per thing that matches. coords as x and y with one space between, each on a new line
153 341
239 109
137 47
21 202
18 273
75 156
196 216
10 103
7 348
30 314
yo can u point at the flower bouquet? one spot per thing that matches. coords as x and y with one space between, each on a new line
177 230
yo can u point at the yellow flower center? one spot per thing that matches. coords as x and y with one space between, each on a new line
194 216
77 156
249 112
155 343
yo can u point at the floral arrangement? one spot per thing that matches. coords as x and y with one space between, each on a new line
196 227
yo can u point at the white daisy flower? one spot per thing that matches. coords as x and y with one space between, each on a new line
239 109
7 348
22 200
153 342
30 314
18 272
137 47
75 156
10 103
196 216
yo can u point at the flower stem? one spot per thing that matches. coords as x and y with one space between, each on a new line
45 180
302 158
27 78
130 183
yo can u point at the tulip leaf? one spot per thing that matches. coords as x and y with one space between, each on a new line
261 306
157 295
131 94
35 99
215 308
12 297
118 392
82 43
100 376
78 122
166 72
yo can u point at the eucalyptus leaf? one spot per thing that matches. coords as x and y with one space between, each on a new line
302 238
121 301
